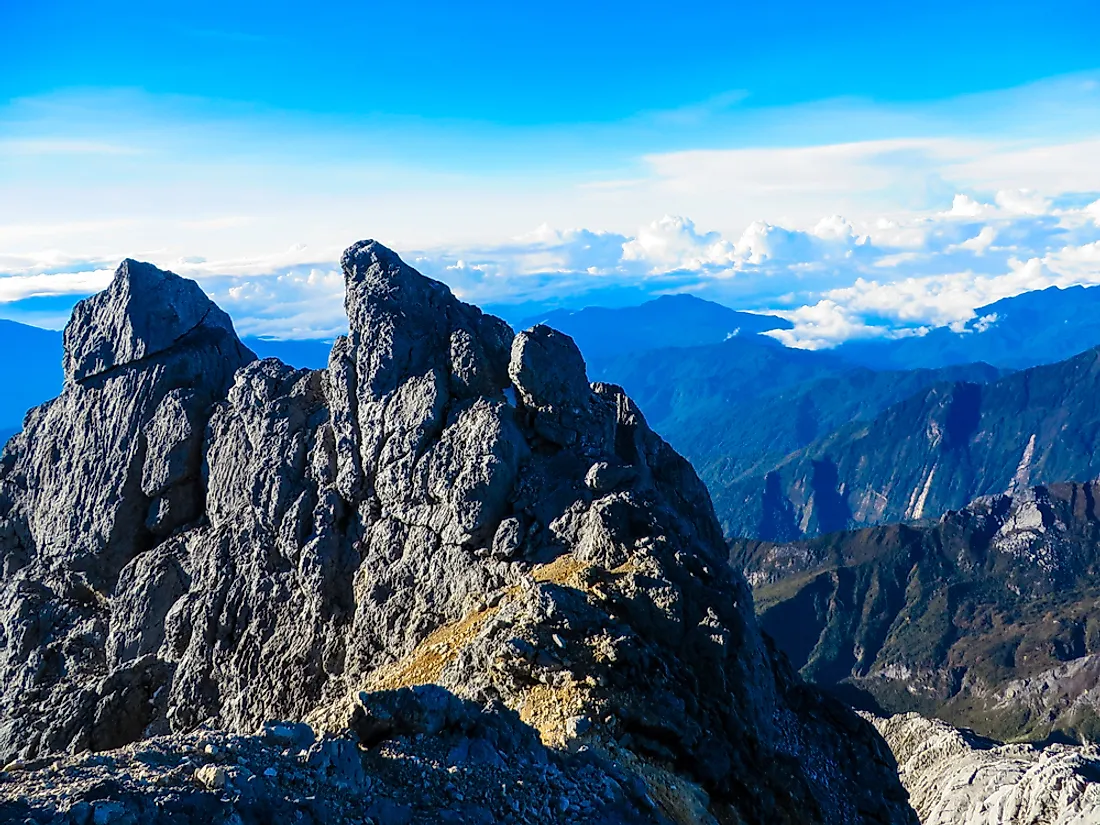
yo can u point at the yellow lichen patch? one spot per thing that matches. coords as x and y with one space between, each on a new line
425 664
568 571
548 709
626 568
565 570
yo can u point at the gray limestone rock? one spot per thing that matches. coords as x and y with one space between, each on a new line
549 376
96 479
145 311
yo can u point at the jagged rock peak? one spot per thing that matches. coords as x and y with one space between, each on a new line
145 311
550 378
402 322
369 260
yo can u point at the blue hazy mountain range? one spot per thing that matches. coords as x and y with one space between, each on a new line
1033 328
668 321
30 371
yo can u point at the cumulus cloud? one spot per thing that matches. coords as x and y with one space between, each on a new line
964 206
824 324
21 287
299 303
979 243
830 239
673 243
1093 211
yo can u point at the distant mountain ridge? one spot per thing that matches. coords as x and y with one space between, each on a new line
985 619
928 454
677 384
755 432
1029 329
669 321
30 370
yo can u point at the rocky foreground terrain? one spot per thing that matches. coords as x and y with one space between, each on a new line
986 618
432 758
489 591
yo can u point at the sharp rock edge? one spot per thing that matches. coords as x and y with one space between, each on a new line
195 540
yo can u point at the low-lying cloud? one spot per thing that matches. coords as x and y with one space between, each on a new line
834 281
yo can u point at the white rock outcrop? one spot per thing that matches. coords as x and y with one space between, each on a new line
957 778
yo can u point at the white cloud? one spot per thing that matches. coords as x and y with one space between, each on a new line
834 280
821 325
831 238
941 299
979 243
946 206
1093 211
299 303
964 206
1022 202
21 287
984 323
673 243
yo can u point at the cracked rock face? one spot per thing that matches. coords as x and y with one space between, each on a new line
99 478
191 536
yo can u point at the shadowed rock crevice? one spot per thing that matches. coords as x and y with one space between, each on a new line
447 503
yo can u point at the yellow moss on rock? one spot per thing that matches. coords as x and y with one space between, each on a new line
548 710
425 664
566 570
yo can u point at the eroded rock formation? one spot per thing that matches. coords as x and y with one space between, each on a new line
192 537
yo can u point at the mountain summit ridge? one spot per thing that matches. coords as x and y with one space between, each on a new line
446 504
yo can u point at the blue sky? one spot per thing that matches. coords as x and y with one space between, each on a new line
534 64
801 158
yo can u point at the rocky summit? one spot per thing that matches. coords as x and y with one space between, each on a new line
445 579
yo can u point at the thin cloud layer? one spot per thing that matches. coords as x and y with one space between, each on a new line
834 281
